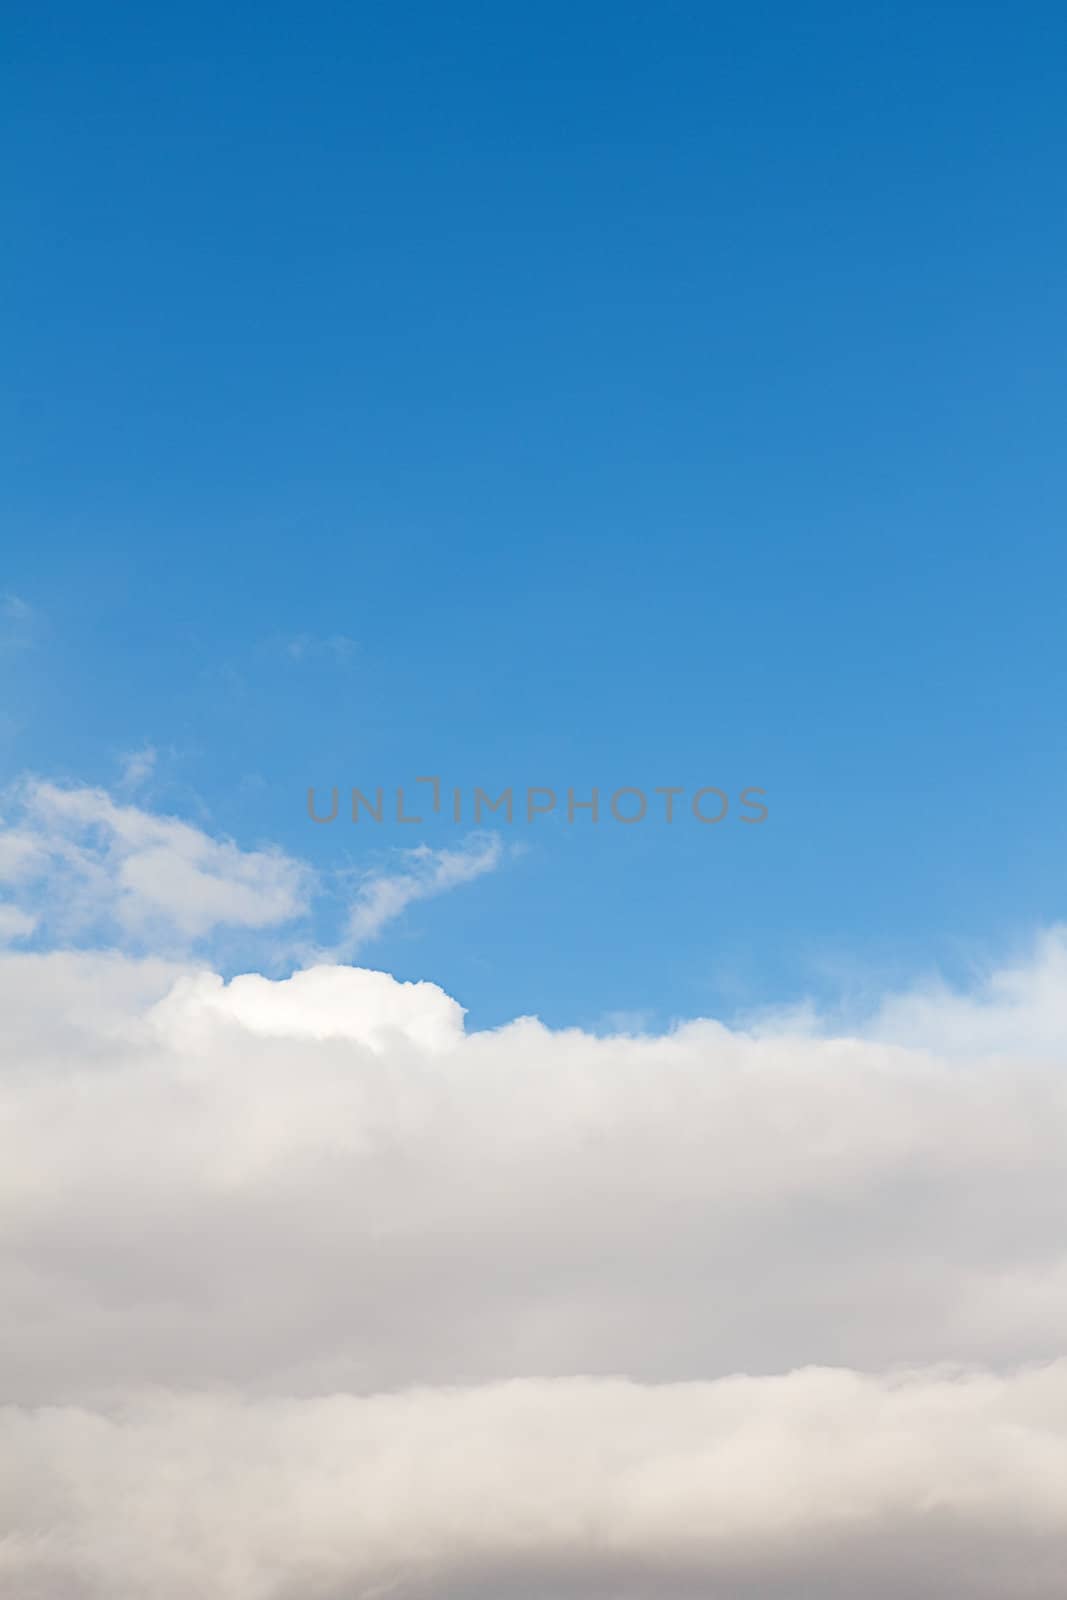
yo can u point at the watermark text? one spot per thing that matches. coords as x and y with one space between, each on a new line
627 805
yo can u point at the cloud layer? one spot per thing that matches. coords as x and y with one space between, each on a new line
310 1294
819 1482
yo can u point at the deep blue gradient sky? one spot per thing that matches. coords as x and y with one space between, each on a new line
651 395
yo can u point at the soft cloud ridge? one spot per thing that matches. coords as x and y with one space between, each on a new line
311 1293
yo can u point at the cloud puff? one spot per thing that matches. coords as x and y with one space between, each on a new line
84 863
326 1002
312 1294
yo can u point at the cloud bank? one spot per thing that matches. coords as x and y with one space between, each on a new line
819 1482
311 1294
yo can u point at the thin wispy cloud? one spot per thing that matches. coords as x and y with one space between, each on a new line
19 623
423 874
137 767
335 648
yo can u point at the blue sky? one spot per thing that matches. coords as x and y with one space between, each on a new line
586 395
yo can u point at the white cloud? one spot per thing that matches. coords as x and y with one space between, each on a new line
23 856
940 1486
426 872
84 863
274 1254
665 1207
325 1002
15 923
311 1294
86 867
1021 1005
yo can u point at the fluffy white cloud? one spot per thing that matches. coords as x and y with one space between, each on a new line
274 1254
87 864
325 1002
80 866
1022 1007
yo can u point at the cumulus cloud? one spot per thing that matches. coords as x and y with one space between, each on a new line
325 1002
89 864
310 1294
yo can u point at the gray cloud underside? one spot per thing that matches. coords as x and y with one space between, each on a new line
309 1294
